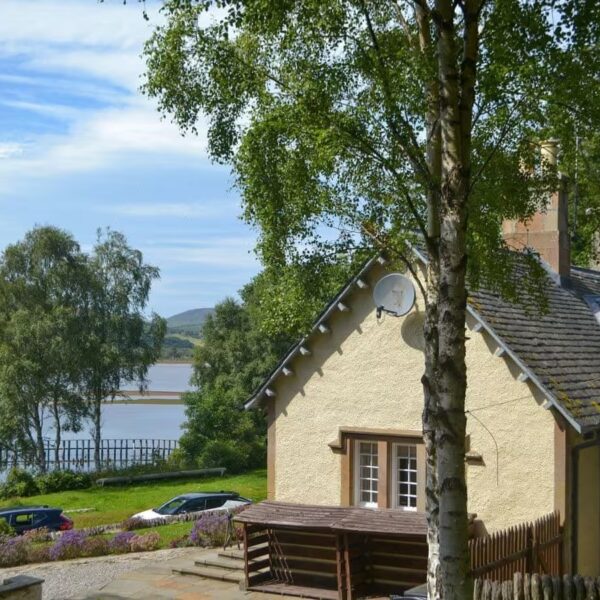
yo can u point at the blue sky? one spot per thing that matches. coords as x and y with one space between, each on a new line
81 148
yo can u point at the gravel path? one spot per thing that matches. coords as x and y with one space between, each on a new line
68 578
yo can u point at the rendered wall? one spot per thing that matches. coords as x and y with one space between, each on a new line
588 536
366 373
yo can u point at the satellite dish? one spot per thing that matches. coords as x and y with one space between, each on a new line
394 294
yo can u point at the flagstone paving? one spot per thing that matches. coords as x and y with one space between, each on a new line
157 581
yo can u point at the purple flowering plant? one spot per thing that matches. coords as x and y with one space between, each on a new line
14 551
121 542
210 530
71 544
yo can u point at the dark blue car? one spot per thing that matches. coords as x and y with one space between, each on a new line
25 518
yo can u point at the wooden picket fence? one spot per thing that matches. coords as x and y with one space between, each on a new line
527 548
78 455
538 587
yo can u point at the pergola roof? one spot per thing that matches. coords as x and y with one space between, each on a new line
333 519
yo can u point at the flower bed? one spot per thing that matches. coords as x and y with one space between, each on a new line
41 545
19 550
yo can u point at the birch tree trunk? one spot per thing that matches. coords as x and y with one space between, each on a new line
57 431
456 104
429 379
40 448
97 428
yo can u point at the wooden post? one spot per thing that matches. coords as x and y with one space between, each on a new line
527 586
496 590
590 589
557 587
579 587
568 592
340 566
536 587
245 536
348 569
518 587
477 589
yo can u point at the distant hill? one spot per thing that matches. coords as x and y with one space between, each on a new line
188 322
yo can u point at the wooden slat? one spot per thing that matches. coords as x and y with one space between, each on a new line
296 590
300 550
257 539
258 565
304 538
404 562
256 552
529 547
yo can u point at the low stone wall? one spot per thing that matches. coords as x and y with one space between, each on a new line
21 587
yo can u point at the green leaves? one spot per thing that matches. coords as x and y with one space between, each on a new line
72 328
234 357
321 109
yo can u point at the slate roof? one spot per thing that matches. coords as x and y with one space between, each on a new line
559 350
561 347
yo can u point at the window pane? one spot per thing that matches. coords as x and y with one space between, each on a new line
405 460
367 473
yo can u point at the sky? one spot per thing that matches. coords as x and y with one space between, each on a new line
82 148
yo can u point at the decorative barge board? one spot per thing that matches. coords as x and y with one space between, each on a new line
332 552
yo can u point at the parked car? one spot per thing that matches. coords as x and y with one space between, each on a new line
25 518
195 502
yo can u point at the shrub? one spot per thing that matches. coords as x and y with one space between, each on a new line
5 529
210 530
96 546
19 483
70 544
60 481
38 554
231 454
14 551
144 543
36 536
180 542
120 543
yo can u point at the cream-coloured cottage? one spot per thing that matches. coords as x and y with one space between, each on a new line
344 405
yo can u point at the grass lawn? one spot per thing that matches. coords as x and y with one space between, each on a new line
114 503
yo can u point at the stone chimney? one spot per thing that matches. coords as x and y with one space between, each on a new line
547 232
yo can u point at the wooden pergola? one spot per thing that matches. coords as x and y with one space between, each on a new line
332 552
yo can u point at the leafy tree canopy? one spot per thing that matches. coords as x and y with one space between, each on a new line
242 342
355 123
321 108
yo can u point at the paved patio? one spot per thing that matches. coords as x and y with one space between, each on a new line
157 581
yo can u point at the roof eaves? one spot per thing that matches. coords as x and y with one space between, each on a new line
524 368
329 310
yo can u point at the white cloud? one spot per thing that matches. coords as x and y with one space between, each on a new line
221 252
119 67
10 150
83 48
86 22
106 137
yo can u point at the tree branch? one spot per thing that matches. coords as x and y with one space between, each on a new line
410 138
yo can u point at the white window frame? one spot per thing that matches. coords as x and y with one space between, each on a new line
358 501
395 479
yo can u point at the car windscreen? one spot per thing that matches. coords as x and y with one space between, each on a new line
171 507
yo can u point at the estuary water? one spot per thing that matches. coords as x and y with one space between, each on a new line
140 421
165 377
